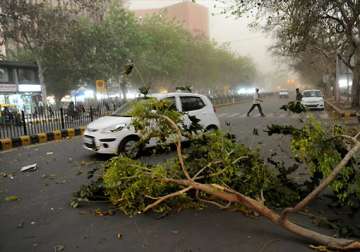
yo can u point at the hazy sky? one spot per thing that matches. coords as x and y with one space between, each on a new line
242 39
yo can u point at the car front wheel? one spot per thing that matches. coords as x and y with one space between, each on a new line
130 147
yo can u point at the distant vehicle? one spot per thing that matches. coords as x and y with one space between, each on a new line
313 99
115 135
284 94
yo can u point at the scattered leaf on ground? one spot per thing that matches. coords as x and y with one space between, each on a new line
11 198
99 212
320 248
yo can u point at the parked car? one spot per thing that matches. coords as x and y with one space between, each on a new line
114 134
284 94
313 99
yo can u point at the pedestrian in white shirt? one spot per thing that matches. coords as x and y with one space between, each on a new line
256 103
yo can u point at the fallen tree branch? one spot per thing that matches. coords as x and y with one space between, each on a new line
321 187
236 197
230 195
166 197
178 145
212 202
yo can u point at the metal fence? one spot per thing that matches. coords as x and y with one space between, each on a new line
49 119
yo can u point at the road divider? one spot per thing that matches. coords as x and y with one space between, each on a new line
9 143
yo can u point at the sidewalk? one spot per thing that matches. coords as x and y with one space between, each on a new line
342 110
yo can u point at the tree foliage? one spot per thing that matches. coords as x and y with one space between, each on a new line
217 170
74 49
41 27
325 27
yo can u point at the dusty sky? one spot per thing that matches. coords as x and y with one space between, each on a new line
243 40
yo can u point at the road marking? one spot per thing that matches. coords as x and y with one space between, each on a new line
222 114
277 114
233 115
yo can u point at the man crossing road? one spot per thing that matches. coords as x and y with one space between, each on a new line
256 103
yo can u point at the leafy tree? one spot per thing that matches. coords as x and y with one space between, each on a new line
171 55
33 26
334 25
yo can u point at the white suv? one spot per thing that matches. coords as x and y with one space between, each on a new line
114 134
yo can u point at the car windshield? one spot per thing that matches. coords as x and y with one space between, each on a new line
312 93
127 108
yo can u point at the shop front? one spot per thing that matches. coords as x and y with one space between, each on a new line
20 85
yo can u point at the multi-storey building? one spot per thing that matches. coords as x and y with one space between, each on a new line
194 17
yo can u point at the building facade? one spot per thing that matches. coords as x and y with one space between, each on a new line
194 17
19 84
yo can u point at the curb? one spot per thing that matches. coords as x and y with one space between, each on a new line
9 143
342 113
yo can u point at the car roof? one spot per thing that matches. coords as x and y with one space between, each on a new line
161 96
309 90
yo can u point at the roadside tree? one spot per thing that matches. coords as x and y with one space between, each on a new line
302 24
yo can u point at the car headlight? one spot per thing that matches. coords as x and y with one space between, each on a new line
114 128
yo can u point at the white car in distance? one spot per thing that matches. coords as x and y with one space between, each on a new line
115 135
313 99
284 94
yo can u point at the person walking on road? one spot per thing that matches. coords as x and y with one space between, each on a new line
298 95
256 103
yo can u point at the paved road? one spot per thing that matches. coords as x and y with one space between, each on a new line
41 219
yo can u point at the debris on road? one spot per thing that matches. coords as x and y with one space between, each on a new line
255 132
33 223
119 236
11 198
58 248
31 167
99 212
49 153
320 248
7 175
20 225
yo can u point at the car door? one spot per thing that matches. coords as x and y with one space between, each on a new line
174 105
194 106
